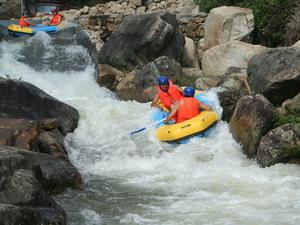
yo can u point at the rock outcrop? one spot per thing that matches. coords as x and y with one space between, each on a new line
233 87
23 197
275 73
19 99
279 145
139 84
217 60
141 39
252 119
225 24
292 106
190 54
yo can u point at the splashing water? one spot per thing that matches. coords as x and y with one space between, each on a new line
140 180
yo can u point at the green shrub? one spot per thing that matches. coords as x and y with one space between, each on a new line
280 120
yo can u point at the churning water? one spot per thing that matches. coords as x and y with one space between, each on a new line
139 180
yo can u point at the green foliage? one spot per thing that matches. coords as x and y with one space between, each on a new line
271 17
280 119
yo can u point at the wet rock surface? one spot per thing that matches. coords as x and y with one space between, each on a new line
19 99
141 39
276 74
251 120
281 144
23 198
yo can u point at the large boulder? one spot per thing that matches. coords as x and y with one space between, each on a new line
190 54
279 145
252 119
109 76
225 23
19 99
27 215
142 38
233 87
57 173
140 85
23 199
275 73
160 66
217 60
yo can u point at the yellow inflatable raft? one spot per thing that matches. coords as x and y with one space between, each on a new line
186 129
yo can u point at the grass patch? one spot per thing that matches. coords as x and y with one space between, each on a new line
280 119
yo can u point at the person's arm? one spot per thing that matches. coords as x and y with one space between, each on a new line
174 109
204 106
155 100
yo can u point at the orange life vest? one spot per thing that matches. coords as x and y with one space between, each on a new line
188 108
56 19
23 23
169 97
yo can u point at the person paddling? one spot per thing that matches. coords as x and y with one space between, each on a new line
187 107
23 22
167 93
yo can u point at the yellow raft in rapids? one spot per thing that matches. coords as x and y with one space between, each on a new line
186 129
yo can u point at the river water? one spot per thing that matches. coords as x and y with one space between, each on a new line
138 180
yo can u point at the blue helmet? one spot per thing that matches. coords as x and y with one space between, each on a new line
189 92
162 80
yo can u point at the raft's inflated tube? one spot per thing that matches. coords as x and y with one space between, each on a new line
17 30
186 129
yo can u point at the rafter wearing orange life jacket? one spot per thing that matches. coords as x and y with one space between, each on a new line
188 108
167 98
23 22
56 19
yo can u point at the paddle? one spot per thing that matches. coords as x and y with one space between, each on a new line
144 128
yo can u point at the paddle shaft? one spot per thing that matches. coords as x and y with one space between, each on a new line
144 128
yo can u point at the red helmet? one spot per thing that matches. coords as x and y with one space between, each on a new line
54 10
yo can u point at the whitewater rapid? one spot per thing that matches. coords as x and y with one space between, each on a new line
139 180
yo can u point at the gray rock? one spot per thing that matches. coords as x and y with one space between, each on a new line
292 105
279 145
23 199
276 74
139 85
25 215
233 88
23 188
19 99
142 38
57 173
160 66
251 120
108 76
